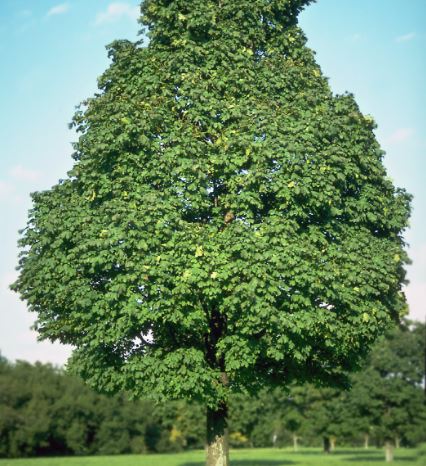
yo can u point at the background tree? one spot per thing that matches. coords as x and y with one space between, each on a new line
280 416
362 410
45 411
228 223
244 414
295 415
390 387
260 418
324 414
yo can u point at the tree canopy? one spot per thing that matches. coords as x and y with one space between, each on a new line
228 223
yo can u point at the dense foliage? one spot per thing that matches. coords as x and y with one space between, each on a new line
228 223
44 411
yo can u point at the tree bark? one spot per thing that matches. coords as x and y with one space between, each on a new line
274 439
397 442
388 451
217 436
332 443
295 442
366 441
326 443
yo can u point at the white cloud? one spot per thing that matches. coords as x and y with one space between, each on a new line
356 37
58 9
405 37
6 189
401 135
417 270
117 11
18 340
10 190
7 279
32 350
416 289
416 297
21 173
9 195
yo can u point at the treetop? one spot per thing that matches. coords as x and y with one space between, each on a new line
225 214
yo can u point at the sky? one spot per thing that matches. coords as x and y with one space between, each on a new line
52 53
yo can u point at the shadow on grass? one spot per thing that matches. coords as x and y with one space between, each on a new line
319 452
367 455
338 452
248 463
379 458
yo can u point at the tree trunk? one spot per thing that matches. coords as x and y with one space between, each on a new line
389 451
295 442
332 443
326 443
366 441
217 437
397 442
274 439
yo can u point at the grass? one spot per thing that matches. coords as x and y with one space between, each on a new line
258 457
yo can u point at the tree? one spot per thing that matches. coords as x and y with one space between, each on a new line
388 392
257 421
362 409
228 223
323 414
44 411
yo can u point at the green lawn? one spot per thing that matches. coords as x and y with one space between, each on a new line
261 457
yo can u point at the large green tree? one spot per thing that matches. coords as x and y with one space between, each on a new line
228 222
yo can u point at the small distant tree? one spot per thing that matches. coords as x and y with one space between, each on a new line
388 392
228 223
294 416
245 415
289 407
361 411
324 415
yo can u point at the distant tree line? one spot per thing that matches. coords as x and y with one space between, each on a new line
45 411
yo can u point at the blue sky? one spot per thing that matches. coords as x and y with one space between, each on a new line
52 53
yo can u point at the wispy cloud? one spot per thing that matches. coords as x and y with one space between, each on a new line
6 189
416 296
25 13
7 279
58 9
18 341
117 11
405 37
416 288
355 37
21 173
401 135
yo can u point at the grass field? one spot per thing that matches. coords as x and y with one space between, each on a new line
261 457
